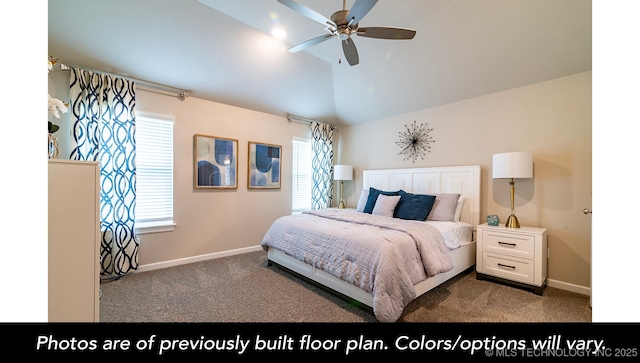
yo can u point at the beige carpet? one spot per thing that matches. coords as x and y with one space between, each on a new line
243 288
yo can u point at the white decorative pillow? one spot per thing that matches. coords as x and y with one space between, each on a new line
363 200
444 208
459 207
385 205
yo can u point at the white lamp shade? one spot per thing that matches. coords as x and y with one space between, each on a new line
517 165
342 172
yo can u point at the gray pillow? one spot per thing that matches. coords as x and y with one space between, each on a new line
363 200
444 207
385 205
373 196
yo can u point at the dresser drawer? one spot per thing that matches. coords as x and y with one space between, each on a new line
508 243
511 268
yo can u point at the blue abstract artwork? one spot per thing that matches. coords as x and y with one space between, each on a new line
216 162
264 166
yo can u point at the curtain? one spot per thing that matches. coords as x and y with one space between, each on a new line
322 165
102 113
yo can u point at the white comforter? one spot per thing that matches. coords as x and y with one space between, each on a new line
373 252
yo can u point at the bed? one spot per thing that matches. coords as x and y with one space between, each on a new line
383 254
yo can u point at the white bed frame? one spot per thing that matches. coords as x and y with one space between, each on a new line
454 179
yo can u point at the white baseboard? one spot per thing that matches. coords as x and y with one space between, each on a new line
155 266
569 287
182 261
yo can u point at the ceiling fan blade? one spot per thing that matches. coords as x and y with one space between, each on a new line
310 42
386 33
313 15
359 10
350 51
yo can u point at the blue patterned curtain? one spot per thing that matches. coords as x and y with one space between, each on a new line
322 165
102 112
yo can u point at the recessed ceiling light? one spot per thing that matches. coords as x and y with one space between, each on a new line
278 33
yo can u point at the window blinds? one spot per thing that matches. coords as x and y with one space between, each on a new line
154 170
301 179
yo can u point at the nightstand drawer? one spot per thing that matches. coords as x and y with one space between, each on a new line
511 268
519 245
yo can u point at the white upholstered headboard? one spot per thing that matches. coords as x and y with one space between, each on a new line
450 179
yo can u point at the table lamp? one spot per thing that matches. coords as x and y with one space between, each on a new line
512 165
342 173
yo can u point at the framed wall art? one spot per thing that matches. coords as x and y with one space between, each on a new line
215 162
264 166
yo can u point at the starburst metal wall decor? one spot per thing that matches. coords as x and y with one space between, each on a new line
415 142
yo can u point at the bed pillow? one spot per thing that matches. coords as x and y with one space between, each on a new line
373 196
385 205
459 207
444 208
363 200
414 206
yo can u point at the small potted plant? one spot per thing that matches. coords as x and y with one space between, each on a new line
55 107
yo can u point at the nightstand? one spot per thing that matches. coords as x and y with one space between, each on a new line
516 256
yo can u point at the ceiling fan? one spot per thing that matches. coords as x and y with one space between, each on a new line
343 24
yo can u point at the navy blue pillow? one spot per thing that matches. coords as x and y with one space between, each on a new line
373 196
414 206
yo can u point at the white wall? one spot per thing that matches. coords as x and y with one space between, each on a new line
550 119
208 221
217 221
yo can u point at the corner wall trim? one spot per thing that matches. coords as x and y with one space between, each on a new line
584 290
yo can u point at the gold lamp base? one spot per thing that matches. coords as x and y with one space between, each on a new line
341 205
512 222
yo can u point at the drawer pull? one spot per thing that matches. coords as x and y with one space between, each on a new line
507 266
506 244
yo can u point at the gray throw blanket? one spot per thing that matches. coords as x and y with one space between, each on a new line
369 251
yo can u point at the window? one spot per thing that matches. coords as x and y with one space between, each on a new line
154 173
301 176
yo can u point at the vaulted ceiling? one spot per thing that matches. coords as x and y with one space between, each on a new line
222 50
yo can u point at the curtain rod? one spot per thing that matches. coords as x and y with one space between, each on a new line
300 119
179 93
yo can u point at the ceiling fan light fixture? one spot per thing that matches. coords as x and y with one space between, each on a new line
278 33
343 33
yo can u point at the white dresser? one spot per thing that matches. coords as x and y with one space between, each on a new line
512 255
74 225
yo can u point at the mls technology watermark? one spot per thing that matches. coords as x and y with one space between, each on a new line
555 346
603 352
542 353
